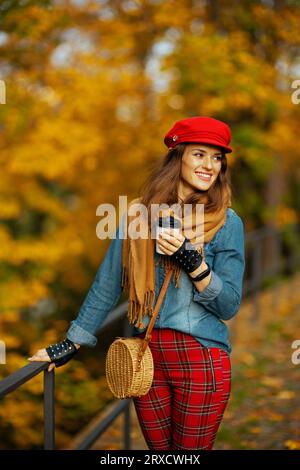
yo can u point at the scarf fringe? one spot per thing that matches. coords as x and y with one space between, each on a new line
124 279
136 310
168 264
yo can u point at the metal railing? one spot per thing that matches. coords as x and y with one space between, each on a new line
269 254
18 378
26 373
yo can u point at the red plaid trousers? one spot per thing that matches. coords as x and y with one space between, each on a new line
191 387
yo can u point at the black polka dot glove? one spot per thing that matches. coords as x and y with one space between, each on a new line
187 259
60 353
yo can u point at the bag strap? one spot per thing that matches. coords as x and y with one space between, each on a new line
148 335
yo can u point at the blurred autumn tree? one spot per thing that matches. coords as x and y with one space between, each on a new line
92 87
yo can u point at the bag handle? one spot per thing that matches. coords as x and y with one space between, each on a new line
148 335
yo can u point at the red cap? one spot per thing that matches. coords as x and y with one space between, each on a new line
201 129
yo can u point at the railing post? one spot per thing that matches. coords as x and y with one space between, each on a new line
49 410
277 271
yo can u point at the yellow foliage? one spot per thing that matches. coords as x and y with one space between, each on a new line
24 293
285 216
292 445
9 316
248 358
255 430
80 374
286 395
11 341
84 129
274 382
273 416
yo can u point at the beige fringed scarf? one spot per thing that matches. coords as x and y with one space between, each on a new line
138 265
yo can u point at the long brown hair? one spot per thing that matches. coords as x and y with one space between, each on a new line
161 186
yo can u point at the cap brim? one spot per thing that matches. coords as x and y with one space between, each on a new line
225 148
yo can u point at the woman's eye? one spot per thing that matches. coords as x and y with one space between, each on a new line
218 158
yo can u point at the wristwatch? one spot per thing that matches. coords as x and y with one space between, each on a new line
202 275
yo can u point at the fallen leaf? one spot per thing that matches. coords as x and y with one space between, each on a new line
286 395
275 382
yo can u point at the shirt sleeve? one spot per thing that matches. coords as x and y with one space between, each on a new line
223 295
101 298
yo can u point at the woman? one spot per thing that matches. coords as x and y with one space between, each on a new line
190 345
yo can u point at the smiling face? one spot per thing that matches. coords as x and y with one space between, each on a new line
201 164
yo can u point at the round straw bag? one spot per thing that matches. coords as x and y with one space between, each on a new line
129 364
124 375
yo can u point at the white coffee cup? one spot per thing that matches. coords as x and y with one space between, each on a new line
166 223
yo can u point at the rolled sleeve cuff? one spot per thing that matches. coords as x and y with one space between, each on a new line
211 291
78 335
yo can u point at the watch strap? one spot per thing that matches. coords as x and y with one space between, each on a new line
202 275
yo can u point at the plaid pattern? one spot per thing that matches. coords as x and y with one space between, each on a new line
191 387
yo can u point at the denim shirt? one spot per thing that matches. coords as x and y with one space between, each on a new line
200 314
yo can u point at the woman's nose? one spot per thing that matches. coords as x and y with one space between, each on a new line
207 162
